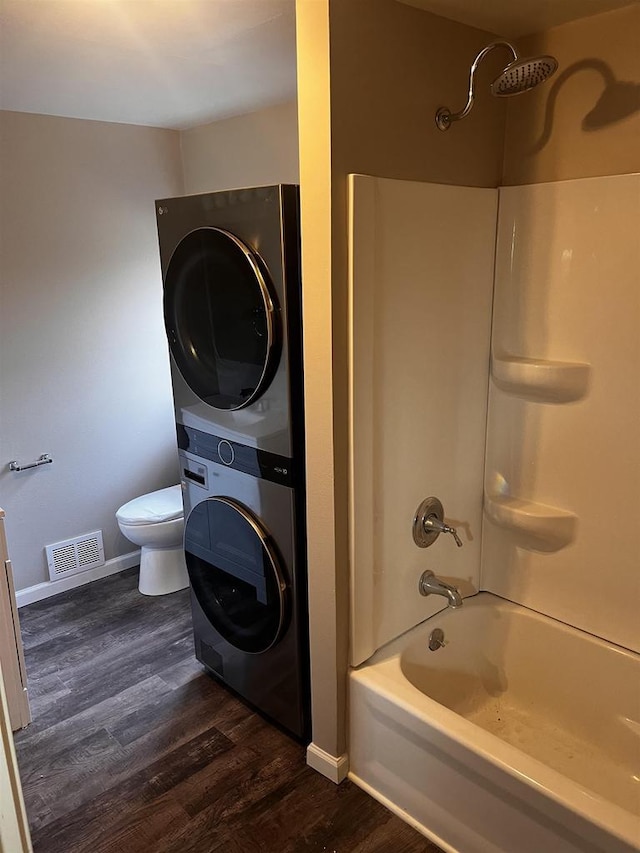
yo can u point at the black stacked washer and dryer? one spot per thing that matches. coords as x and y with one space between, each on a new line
232 307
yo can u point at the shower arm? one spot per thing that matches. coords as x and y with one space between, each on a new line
444 116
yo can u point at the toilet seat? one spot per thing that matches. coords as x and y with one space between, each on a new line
154 508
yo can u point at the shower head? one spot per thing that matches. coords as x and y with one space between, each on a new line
523 74
518 76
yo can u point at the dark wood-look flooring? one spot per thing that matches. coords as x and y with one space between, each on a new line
134 748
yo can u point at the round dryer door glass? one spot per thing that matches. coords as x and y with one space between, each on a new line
236 574
221 318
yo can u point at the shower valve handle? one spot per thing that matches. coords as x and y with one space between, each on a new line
429 523
432 522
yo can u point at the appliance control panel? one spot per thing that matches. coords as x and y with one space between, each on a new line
231 454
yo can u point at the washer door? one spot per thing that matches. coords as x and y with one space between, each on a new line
221 319
236 574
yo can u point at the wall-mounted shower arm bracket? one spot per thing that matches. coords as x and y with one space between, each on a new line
444 116
429 523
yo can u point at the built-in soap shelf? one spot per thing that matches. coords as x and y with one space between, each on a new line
543 528
540 380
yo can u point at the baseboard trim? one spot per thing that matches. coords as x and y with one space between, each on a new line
40 591
333 767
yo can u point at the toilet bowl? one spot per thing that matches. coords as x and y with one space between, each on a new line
155 522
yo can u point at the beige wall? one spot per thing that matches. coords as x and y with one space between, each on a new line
392 66
327 613
421 322
84 367
563 129
255 149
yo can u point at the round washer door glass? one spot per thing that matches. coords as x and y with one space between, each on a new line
221 318
236 575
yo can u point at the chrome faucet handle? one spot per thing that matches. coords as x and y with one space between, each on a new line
432 522
429 523
454 533
456 538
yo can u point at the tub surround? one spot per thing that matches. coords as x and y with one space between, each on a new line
562 479
562 475
563 414
420 318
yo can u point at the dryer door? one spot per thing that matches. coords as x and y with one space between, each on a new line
221 318
236 574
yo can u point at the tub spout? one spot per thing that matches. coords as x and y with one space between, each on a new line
429 584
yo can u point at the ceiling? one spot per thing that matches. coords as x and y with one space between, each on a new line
513 18
164 63
183 63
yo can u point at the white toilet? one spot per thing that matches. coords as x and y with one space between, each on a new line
156 523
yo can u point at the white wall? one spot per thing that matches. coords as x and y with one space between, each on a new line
255 149
84 371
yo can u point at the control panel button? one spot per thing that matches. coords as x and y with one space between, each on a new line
225 452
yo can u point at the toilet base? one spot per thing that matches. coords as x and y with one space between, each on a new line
162 570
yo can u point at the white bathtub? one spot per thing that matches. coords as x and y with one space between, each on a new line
520 735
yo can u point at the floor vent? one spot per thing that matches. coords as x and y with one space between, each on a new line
75 555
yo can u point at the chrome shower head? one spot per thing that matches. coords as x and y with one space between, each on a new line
523 74
519 76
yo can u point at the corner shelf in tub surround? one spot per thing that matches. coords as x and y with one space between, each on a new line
545 528
540 379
